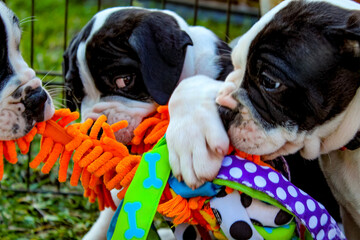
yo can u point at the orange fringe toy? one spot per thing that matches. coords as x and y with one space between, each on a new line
99 162
150 131
194 211
95 159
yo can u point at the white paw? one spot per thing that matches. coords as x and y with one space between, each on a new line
197 140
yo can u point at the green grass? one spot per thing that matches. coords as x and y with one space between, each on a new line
44 216
52 216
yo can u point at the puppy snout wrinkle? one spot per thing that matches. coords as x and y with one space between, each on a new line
34 102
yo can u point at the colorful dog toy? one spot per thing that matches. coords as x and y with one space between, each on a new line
245 186
214 210
93 154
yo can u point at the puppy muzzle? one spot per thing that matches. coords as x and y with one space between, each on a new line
34 102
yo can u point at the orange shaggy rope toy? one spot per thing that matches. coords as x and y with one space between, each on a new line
99 161
94 159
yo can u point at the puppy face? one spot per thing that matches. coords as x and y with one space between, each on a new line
23 101
296 79
123 63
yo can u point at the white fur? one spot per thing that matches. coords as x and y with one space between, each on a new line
342 172
99 229
204 48
11 109
341 168
91 92
241 50
197 135
199 59
282 140
118 108
346 129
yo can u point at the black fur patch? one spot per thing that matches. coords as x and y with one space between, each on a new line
224 53
301 49
135 42
6 69
74 87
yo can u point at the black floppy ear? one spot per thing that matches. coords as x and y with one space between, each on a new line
161 48
73 85
74 89
347 35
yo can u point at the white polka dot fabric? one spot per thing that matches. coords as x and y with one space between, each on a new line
311 213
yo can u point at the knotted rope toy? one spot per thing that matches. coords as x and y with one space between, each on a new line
102 164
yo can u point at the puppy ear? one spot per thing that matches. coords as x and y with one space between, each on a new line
74 89
347 35
73 85
161 48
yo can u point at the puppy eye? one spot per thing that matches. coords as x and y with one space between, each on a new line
124 81
268 83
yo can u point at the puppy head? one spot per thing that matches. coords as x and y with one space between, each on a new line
296 79
23 101
124 62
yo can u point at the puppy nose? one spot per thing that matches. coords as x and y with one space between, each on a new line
34 102
227 115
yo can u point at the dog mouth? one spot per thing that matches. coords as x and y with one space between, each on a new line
38 107
245 133
35 103
124 135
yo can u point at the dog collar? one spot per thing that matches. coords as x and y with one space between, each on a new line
354 143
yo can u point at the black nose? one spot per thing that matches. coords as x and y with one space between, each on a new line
227 115
34 102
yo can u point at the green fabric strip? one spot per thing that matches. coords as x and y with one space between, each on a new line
252 193
143 195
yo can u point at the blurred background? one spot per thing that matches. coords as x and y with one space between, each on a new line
37 206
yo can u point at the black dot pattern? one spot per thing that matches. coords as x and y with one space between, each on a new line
246 200
240 230
282 217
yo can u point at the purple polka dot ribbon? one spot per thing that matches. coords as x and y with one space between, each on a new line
311 213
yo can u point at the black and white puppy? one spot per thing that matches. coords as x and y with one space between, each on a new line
128 60
295 87
23 101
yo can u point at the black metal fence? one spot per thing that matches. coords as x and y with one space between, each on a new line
228 9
